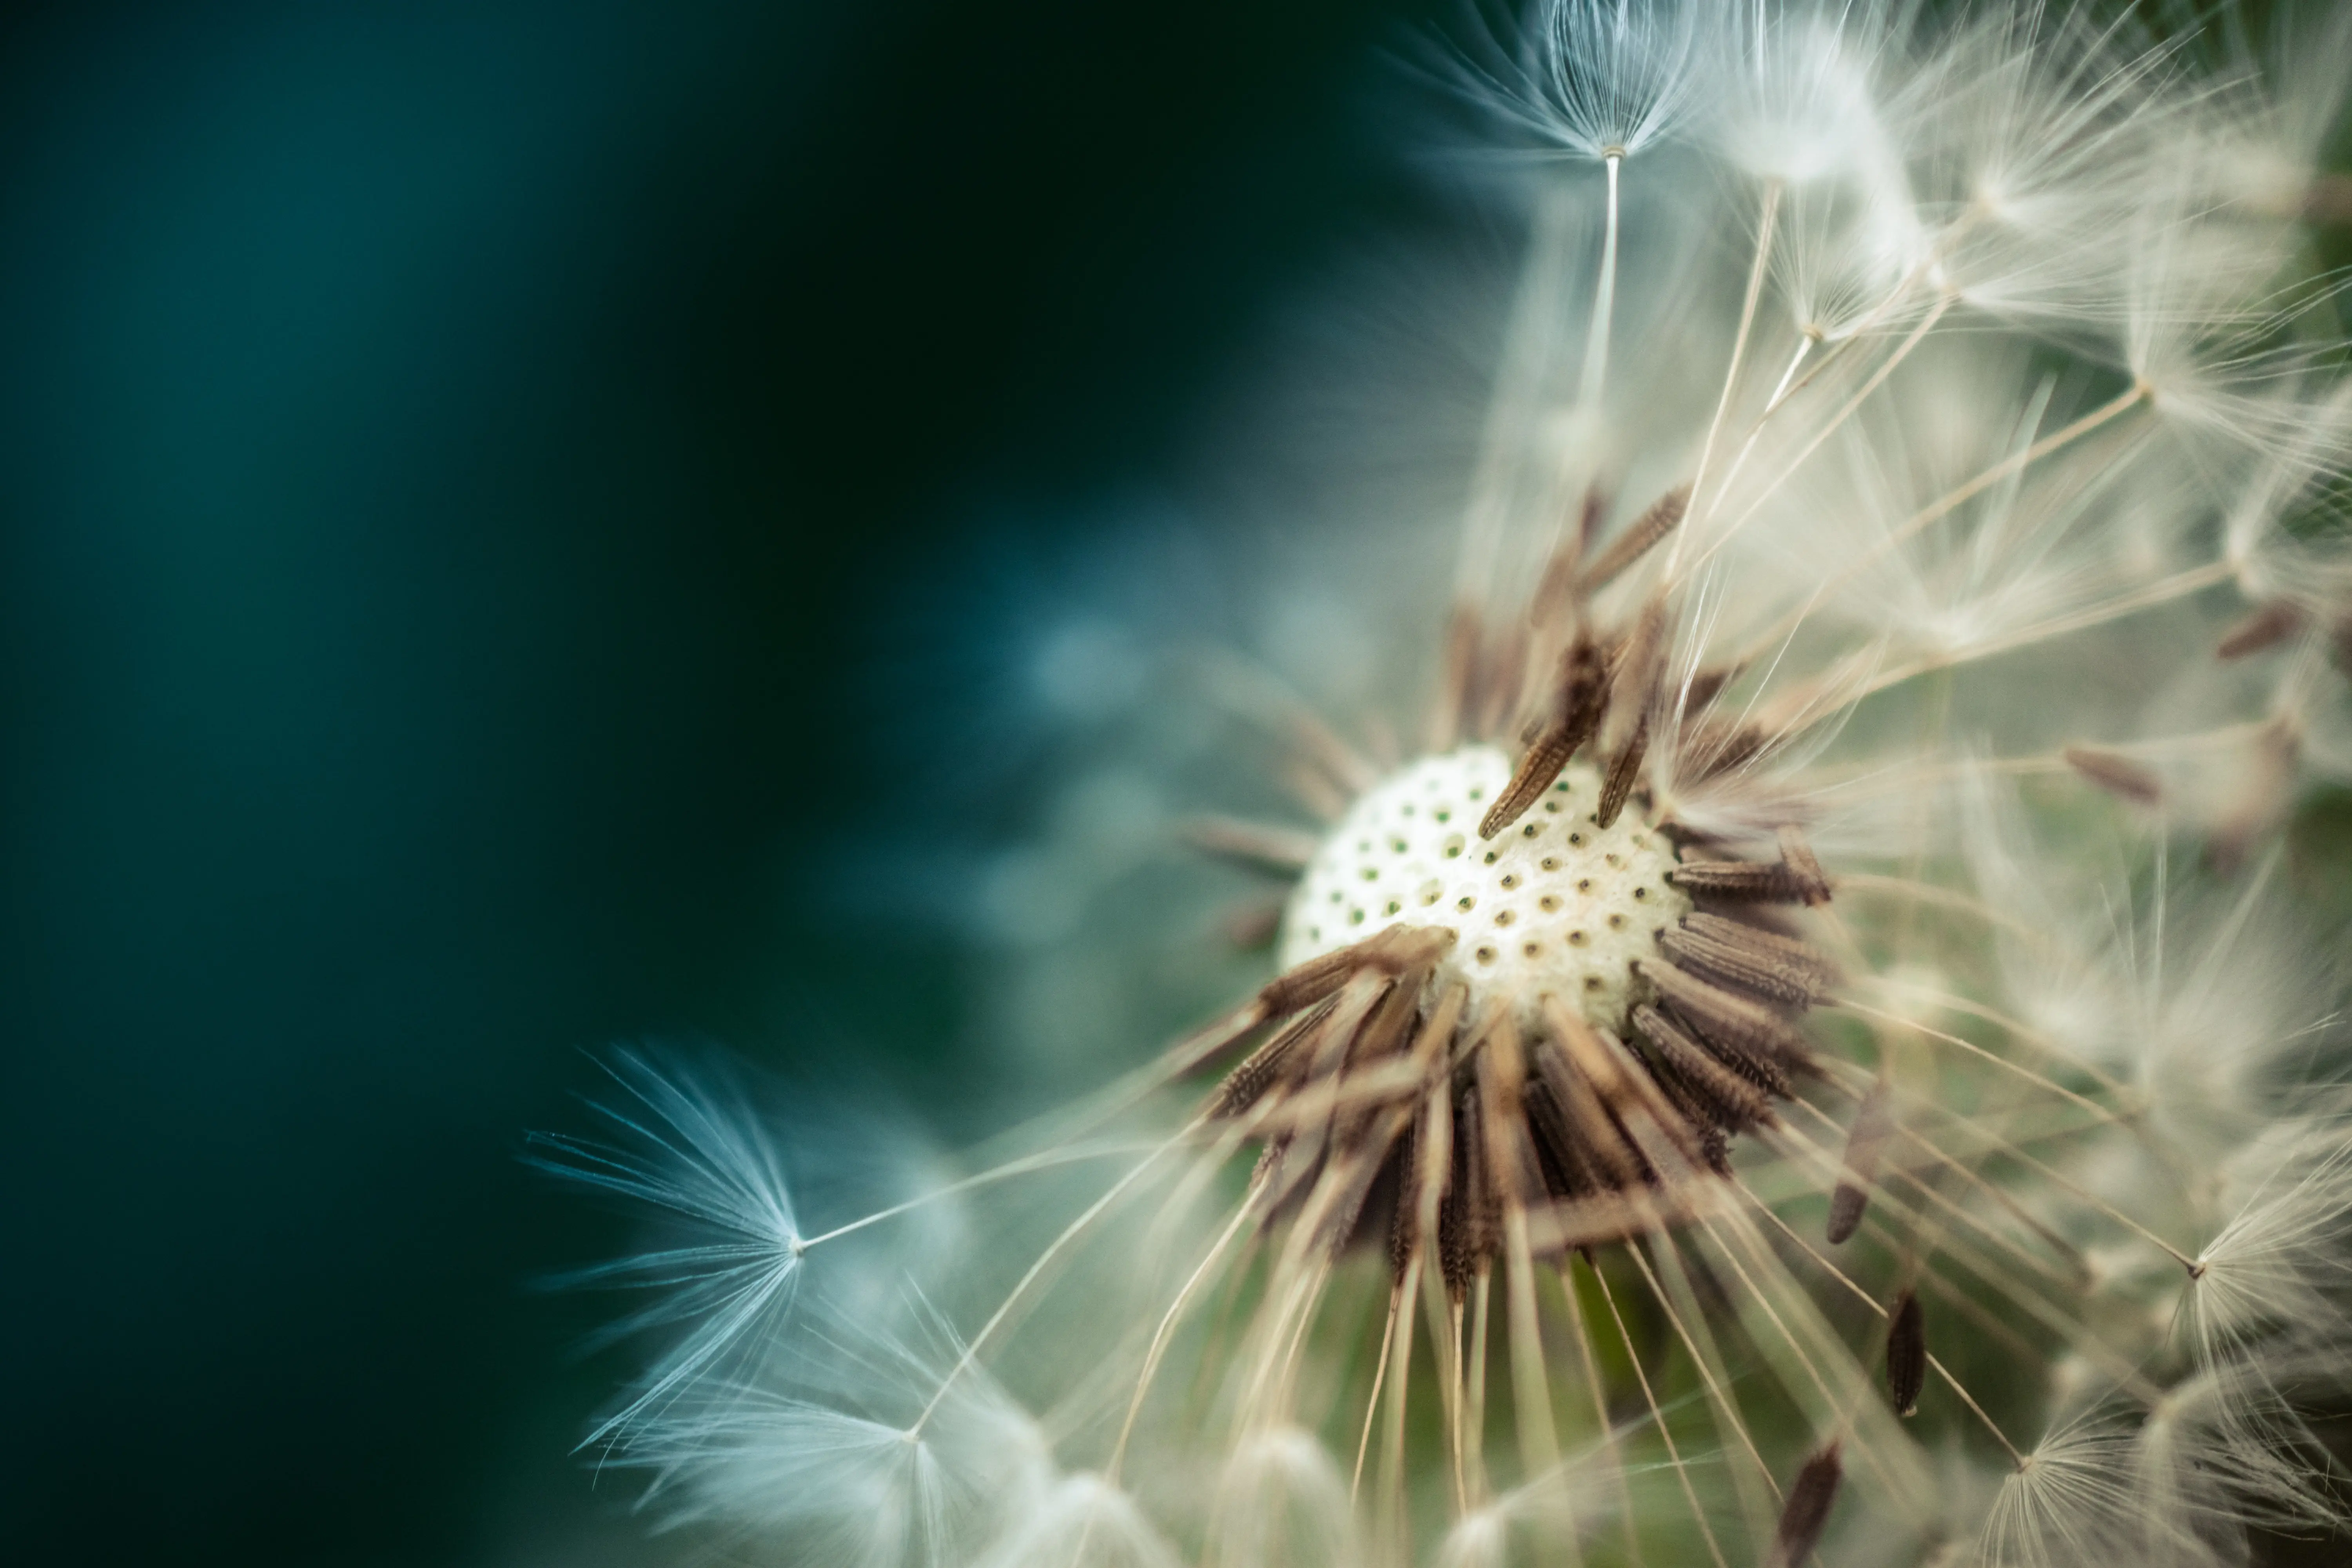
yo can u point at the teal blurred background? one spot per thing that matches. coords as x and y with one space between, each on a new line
461 465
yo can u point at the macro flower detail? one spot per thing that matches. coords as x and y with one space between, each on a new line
1807 1050
1557 902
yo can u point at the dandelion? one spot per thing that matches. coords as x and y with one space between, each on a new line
1804 1052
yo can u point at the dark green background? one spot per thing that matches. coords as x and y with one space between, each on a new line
455 461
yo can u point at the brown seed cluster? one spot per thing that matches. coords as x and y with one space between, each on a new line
1388 1097
1398 1090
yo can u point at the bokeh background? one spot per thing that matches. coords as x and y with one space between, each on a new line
462 466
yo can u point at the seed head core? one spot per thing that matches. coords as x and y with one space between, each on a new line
1551 905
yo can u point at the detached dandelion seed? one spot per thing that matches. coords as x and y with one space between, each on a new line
1810 1055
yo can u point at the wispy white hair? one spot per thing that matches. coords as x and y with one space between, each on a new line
1600 78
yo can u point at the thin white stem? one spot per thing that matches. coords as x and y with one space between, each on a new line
1380 1378
1805 341
1705 1360
2018 1291
1599 1395
1454 1404
996 1318
1530 1387
1274 1388
2048 1174
1393 1503
1848 1407
1042 1162
2178 586
1809 704
1944 505
1959 1212
1805 1362
1810 335
1166 1329
1738 354
1658 1419
1604 303
1877 378
2011 464
1867 1299
1927 1031
1474 1437
1122 1094
1942 897
1756 430
2017 1029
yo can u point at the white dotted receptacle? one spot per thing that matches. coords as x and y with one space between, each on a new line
1551 904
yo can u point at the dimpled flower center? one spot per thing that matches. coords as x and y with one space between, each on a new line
1553 904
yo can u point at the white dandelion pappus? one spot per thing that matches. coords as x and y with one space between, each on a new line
2280 99
1084 1520
1785 1039
1601 79
696 1153
841 1441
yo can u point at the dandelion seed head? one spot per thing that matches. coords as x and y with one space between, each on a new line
1758 1008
